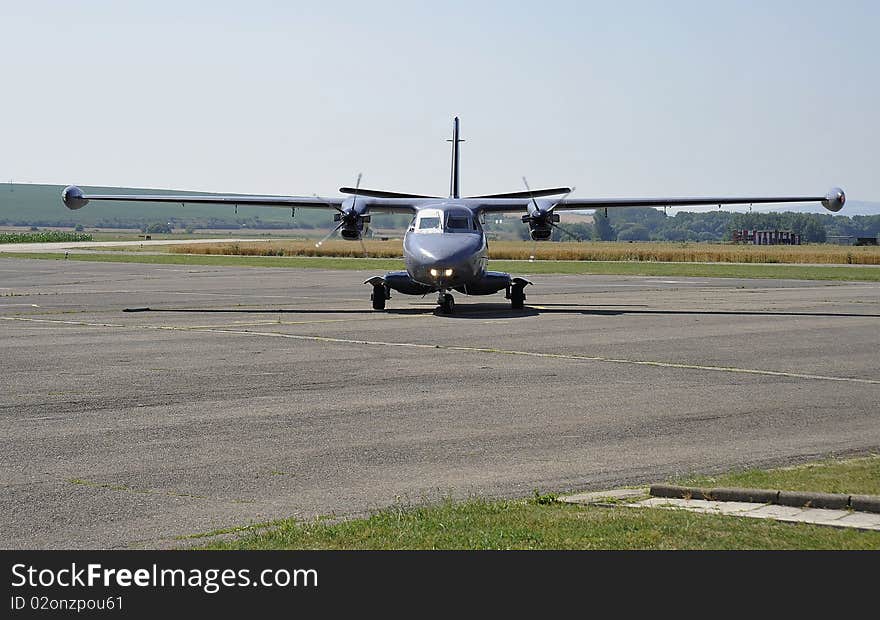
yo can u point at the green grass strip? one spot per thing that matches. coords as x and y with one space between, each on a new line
707 270
480 524
541 523
859 476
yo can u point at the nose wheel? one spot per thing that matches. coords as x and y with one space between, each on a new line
447 303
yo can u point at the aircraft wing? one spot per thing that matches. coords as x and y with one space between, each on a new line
74 198
833 201
834 198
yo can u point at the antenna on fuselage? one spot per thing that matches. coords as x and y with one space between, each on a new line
454 187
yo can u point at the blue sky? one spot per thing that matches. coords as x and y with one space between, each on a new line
619 99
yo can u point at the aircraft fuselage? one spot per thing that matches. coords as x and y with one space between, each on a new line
445 247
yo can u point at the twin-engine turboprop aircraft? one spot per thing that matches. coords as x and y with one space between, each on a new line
445 247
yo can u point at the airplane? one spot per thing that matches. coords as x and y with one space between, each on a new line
445 247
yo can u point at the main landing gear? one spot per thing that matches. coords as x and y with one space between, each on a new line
446 303
380 293
517 293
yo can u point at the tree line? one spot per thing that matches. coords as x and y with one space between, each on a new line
646 224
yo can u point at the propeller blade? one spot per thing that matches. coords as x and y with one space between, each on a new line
561 200
529 190
329 234
357 186
562 230
328 203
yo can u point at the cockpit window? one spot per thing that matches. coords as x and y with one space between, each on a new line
441 221
458 221
429 223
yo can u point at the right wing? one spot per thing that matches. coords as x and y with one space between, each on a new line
74 198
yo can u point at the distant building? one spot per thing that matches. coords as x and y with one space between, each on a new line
767 237
840 239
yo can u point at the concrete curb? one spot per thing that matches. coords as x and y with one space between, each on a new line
797 499
865 503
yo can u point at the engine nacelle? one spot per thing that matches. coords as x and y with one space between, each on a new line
540 224
352 227
834 199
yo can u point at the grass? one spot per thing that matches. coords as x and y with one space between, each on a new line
590 251
859 476
481 524
540 523
707 270
46 236
239 261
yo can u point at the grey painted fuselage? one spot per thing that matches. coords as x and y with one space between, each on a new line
445 258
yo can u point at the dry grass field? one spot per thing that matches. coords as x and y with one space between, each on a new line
820 254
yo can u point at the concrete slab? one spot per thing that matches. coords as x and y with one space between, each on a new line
252 394
699 505
596 497
823 515
789 514
777 512
863 520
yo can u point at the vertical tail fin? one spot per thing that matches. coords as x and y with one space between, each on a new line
454 189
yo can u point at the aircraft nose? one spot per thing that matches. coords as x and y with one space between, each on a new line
451 249
450 258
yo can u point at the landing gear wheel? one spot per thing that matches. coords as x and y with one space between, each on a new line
378 296
517 298
447 304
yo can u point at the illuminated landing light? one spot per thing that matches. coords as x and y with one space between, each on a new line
435 273
447 273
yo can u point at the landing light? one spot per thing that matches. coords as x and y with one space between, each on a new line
435 273
447 273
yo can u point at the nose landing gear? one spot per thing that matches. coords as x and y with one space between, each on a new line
446 303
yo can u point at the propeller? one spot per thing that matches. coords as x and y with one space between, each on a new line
329 234
557 226
529 190
349 217
538 217
357 186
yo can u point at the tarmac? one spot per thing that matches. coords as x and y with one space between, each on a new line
251 394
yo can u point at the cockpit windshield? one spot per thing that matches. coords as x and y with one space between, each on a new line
455 220
458 222
429 223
